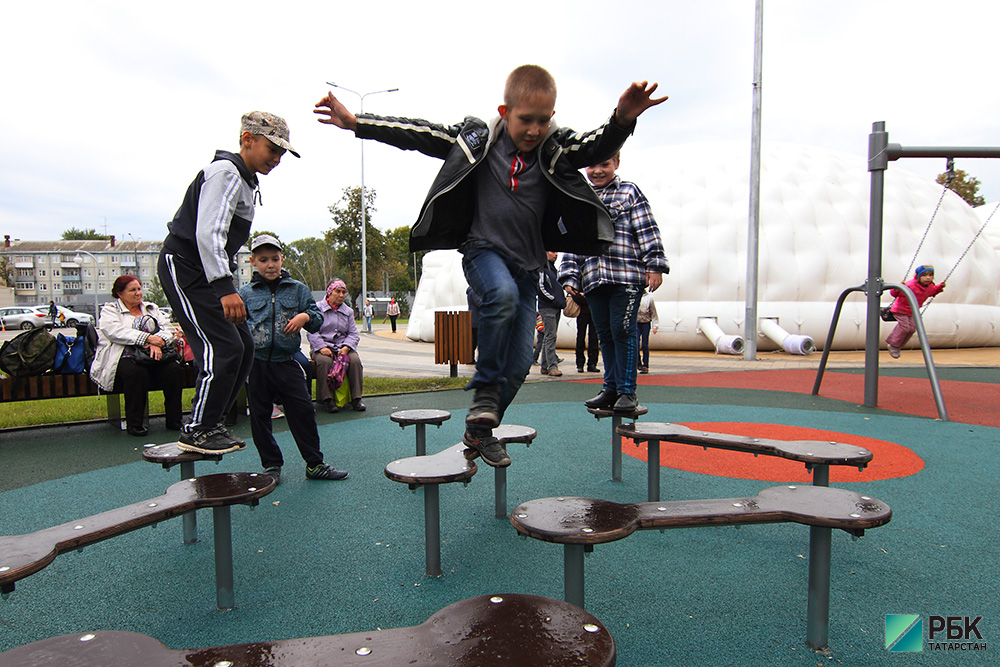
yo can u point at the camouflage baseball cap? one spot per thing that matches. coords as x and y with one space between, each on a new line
268 125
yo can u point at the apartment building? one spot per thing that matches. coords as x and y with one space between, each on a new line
79 274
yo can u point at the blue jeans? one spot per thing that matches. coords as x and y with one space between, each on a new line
614 309
506 318
368 323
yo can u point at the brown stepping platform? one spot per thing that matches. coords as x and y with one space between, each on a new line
581 523
24 555
169 455
429 472
420 418
817 455
487 631
616 438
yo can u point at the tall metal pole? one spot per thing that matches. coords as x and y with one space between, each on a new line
753 232
878 162
97 310
364 205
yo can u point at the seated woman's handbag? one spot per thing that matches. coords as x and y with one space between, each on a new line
140 354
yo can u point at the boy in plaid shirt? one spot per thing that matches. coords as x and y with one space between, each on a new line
613 282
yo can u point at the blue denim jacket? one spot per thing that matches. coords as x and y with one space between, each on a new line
268 313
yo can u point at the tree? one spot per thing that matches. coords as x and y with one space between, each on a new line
6 271
74 234
152 291
400 261
311 261
965 186
345 237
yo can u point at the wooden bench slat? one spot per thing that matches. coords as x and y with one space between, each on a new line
488 631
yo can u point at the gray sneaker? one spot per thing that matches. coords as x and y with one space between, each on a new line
324 471
216 440
488 447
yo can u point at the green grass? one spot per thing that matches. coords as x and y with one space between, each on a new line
84 408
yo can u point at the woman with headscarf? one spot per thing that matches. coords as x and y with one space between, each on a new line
338 335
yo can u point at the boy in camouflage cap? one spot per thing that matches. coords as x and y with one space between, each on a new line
196 268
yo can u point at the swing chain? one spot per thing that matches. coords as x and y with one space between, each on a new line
949 177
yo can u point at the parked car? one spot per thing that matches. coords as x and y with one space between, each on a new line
73 317
24 317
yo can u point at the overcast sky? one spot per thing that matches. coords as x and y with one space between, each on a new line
111 108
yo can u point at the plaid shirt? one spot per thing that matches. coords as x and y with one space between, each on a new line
636 251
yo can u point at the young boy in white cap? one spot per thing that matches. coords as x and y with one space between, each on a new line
196 268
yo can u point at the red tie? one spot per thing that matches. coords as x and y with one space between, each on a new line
516 167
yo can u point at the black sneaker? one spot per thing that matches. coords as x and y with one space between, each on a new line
216 440
488 447
357 405
626 403
324 471
602 401
485 410
274 472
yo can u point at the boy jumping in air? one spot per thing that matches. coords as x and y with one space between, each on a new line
508 191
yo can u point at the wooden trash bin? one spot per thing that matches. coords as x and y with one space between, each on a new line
453 339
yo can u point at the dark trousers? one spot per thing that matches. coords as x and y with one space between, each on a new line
223 351
134 380
282 382
586 340
355 377
392 321
643 329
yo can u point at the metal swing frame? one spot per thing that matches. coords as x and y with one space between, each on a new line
880 153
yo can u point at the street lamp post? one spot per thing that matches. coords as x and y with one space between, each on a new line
79 260
364 207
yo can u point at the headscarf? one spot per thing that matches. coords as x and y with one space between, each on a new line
334 285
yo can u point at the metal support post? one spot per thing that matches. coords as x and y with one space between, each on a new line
223 528
818 613
616 449
421 439
573 574
432 530
653 470
500 492
189 519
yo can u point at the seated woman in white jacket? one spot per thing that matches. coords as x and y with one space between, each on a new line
132 336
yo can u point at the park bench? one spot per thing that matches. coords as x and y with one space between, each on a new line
616 438
68 385
24 555
488 631
580 523
817 455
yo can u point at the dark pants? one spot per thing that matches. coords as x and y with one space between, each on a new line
643 329
223 351
282 382
392 321
355 377
586 340
134 380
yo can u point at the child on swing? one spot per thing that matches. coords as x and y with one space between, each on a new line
923 287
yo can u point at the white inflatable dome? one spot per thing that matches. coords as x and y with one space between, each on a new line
813 246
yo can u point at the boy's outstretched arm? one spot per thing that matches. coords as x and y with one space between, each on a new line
337 113
637 98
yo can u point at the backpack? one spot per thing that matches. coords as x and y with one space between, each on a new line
88 334
29 353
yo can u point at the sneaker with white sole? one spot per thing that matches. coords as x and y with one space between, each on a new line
216 440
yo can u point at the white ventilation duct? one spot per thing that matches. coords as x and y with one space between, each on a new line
791 343
724 343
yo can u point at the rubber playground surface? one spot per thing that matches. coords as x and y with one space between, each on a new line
320 558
